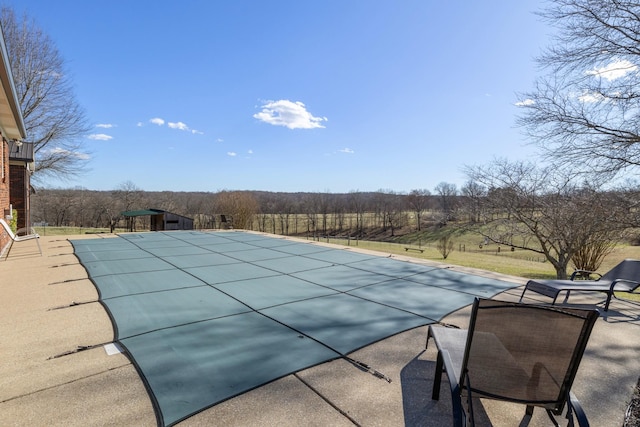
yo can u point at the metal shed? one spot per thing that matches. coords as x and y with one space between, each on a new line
161 220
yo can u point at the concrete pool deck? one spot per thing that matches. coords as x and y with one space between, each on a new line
49 308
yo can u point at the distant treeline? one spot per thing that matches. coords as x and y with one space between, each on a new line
280 213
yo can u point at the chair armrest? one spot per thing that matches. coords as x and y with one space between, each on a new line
615 282
581 417
456 391
577 273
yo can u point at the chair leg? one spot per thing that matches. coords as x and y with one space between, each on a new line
39 247
471 420
435 393
426 344
606 304
522 296
526 419
9 250
459 414
553 420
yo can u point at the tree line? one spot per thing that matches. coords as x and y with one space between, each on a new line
519 205
353 213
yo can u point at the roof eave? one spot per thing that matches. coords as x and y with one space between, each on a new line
13 124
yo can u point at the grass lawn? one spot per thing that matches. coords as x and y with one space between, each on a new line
70 231
515 263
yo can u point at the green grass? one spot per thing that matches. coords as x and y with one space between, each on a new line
70 231
518 263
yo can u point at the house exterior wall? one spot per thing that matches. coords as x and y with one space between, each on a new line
19 178
4 188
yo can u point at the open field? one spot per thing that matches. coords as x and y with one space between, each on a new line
518 262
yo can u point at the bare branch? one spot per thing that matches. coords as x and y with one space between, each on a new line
54 121
585 113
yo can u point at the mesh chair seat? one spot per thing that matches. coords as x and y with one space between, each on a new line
514 352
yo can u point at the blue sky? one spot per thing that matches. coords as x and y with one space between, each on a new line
335 96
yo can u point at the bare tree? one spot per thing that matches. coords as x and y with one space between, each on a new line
240 205
54 121
418 200
592 252
445 245
338 213
311 207
447 193
397 214
128 197
101 210
473 194
584 112
57 207
285 210
357 203
323 204
390 209
544 211
167 200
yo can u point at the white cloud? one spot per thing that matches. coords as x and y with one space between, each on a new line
100 137
347 151
173 125
140 124
250 152
293 115
590 97
525 103
105 125
184 127
232 154
614 70
178 125
77 154
219 140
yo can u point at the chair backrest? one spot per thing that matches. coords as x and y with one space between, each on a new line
629 269
7 229
525 353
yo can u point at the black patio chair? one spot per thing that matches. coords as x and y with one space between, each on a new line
514 352
624 277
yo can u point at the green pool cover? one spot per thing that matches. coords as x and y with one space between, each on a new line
205 316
